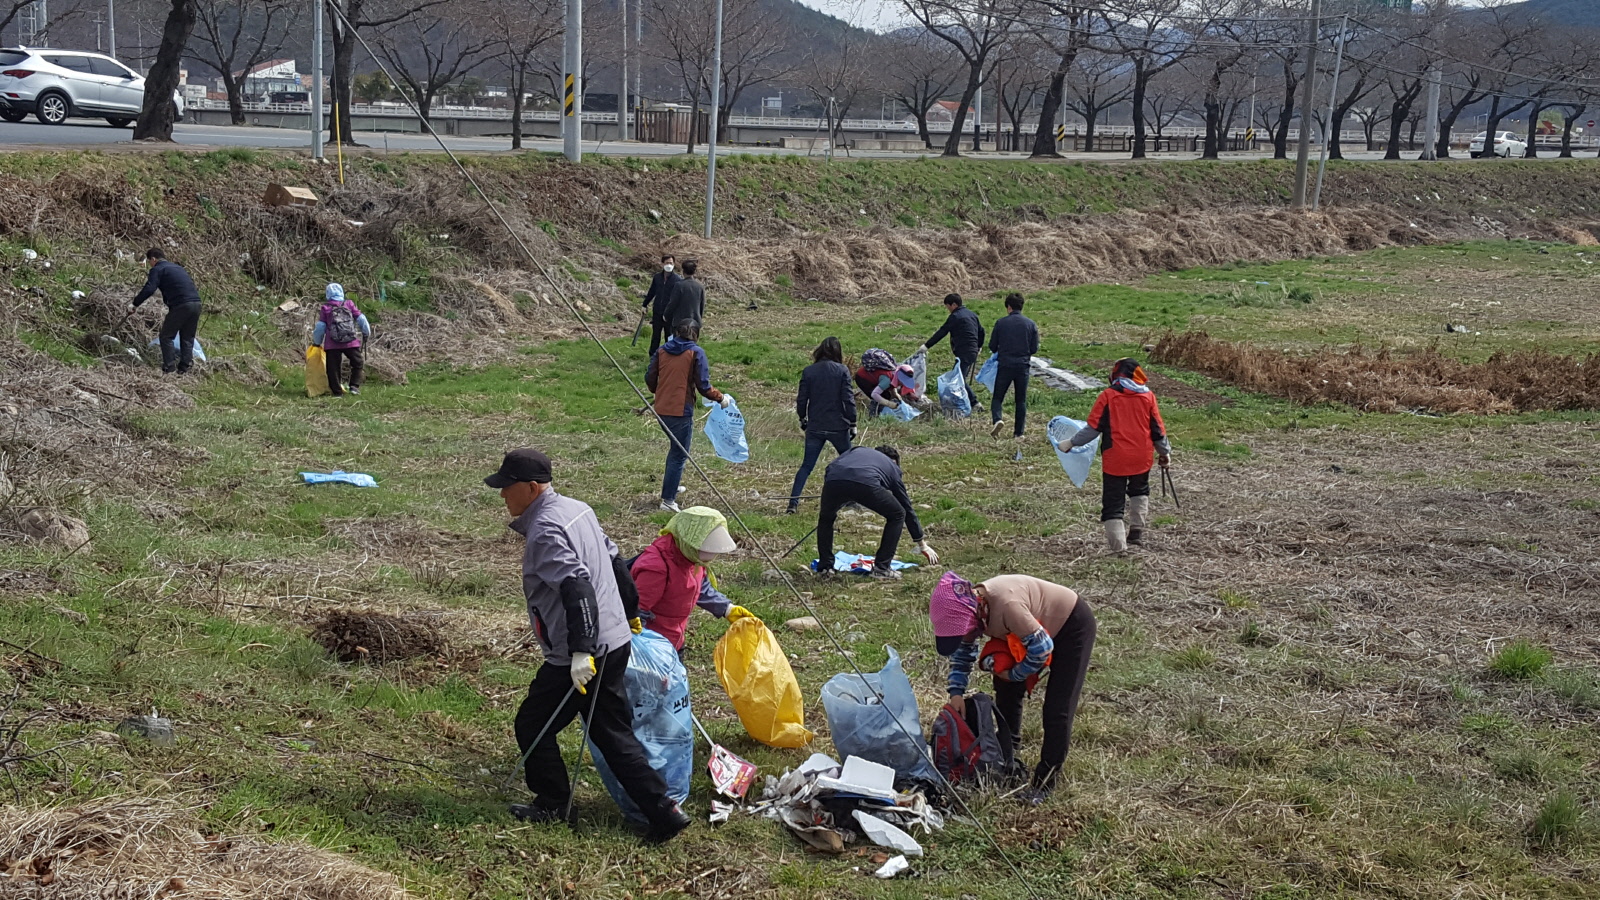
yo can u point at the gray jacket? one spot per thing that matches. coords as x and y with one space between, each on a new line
564 540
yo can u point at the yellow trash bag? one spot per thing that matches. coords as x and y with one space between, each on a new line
316 371
757 677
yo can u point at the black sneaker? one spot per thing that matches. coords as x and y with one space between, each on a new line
1135 537
791 510
539 814
669 824
355 390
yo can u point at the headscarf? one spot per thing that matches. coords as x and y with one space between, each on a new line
953 607
1128 375
334 293
693 527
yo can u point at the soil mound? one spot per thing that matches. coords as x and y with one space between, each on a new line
1384 381
358 635
137 847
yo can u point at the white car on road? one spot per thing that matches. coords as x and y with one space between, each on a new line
55 85
1506 143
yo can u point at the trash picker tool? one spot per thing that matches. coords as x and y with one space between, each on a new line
639 329
588 721
799 542
731 774
528 752
1166 482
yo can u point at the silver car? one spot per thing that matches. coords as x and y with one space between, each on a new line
55 85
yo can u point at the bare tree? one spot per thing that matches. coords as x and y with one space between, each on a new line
974 28
1021 77
918 69
234 36
1152 38
428 50
837 79
345 18
159 113
1096 83
522 30
1065 29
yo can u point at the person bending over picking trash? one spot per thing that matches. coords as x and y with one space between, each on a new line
672 577
340 328
183 309
1127 420
1014 340
871 477
827 409
676 371
1048 626
884 382
581 602
966 335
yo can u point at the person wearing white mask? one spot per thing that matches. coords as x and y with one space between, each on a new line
672 576
655 299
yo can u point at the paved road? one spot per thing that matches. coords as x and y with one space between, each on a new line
88 133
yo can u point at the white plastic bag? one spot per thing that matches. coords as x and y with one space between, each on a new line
918 362
725 428
1077 461
953 396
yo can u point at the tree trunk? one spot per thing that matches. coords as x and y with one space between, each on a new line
1280 134
1213 103
235 98
1398 113
922 128
342 89
1044 140
694 119
1088 130
952 144
1566 131
1441 149
1533 131
157 117
1411 133
1335 128
519 79
1141 82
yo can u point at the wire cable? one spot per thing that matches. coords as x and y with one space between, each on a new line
916 738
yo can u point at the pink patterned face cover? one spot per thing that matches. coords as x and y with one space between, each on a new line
953 607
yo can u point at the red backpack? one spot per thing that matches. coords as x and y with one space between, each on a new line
972 746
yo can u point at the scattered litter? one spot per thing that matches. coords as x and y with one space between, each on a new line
199 351
804 623
720 812
884 834
893 867
731 774
820 764
289 306
78 295
857 563
1061 379
29 254
397 284
355 223
282 195
861 777
341 477
155 729
1456 329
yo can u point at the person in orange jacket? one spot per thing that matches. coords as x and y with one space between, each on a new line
1127 419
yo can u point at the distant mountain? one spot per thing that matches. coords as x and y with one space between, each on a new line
1565 13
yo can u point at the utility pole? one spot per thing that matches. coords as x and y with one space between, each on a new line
1302 160
977 120
1430 130
622 97
111 27
572 90
711 142
638 66
1333 95
316 81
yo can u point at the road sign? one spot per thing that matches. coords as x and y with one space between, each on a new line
1250 134
1591 123
1061 133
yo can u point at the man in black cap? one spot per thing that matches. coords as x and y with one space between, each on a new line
582 602
183 309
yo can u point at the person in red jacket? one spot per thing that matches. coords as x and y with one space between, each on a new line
1127 420
672 577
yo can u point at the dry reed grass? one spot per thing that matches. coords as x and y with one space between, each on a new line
131 847
361 635
1385 381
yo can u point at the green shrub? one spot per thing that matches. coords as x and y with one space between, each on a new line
1520 660
1191 659
1558 820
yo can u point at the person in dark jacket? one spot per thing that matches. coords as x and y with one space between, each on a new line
688 299
827 409
872 478
966 335
676 371
183 309
1014 340
656 299
581 602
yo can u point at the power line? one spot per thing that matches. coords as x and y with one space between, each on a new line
1457 60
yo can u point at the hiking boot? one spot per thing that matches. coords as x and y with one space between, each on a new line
1116 535
539 814
355 390
825 574
1135 537
995 428
1138 518
791 510
669 824
669 506
884 573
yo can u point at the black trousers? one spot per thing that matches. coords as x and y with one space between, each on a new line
1069 666
335 368
1013 378
181 322
1115 491
969 365
835 494
611 729
656 328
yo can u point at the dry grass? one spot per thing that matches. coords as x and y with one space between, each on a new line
1385 381
358 635
126 847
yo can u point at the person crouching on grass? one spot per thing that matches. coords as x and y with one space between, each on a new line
1056 629
1127 419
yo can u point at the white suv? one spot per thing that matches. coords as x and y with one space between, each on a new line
57 84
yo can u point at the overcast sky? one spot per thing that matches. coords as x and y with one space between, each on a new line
880 14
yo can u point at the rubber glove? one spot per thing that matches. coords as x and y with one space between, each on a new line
727 401
852 434
738 612
636 625
582 670
928 552
1165 460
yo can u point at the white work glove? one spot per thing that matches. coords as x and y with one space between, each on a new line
922 348
132 307
928 552
582 670
727 401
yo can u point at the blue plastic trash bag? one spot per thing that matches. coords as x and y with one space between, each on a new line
857 563
1077 461
658 688
905 412
918 362
199 354
341 477
987 372
863 726
725 428
953 393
